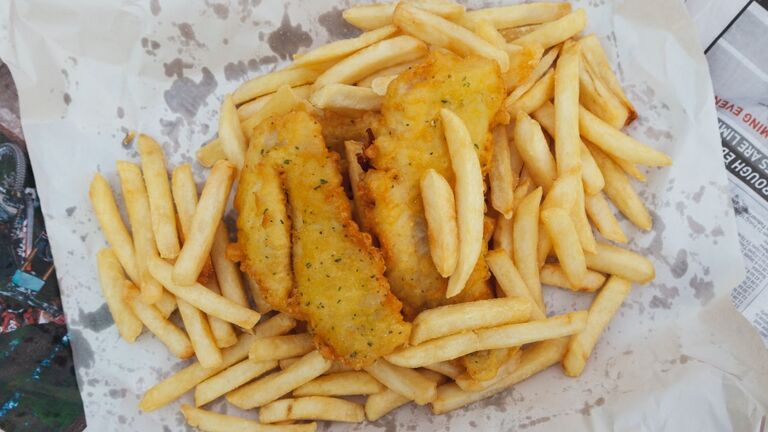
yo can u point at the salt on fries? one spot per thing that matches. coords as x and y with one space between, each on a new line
558 164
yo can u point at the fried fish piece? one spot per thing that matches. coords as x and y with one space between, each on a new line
338 276
409 140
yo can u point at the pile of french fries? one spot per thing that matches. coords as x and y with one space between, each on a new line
559 160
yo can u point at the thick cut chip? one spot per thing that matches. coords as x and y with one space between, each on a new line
410 140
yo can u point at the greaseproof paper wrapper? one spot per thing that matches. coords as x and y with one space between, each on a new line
676 357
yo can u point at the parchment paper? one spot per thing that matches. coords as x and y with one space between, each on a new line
676 357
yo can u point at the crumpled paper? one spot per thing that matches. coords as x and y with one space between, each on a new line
676 357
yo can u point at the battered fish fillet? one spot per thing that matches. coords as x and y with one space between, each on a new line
338 276
410 140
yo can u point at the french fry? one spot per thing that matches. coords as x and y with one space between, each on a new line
184 191
514 33
523 61
346 98
209 211
336 367
312 408
450 369
563 193
438 31
231 135
248 109
270 82
222 330
203 298
502 234
510 281
199 332
605 305
173 387
209 421
599 99
173 337
512 335
470 206
381 84
382 54
111 278
453 319
534 150
435 350
369 17
345 47
111 223
210 153
554 32
281 347
525 238
581 223
271 387
620 191
467 383
519 15
486 30
261 304
553 275
618 144
538 72
352 150
407 382
341 384
565 241
440 213
283 101
544 247
137 204
167 304
159 193
389 71
594 55
501 176
523 188
621 262
540 92
379 404
567 141
227 273
602 216
534 360
230 379
631 169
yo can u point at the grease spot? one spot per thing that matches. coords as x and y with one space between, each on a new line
120 112
699 193
96 320
235 71
287 39
82 349
221 10
246 8
154 7
67 99
118 394
659 303
680 266
696 227
170 129
176 68
70 210
185 97
703 290
188 36
333 22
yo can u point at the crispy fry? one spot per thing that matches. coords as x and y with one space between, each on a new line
137 204
525 238
371 59
341 384
581 223
173 337
283 101
469 199
488 32
227 273
536 74
540 92
335 368
380 85
621 262
502 234
209 421
210 153
553 275
312 408
563 193
503 180
631 169
231 135
554 32
248 109
510 281
565 241
594 55
605 305
281 347
544 247
202 297
534 360
173 387
199 332
111 278
598 98
512 335
369 17
450 369
222 330
602 216
271 387
407 382
270 82
620 191
513 33
208 213
111 223
458 318
467 383
435 350
230 379
353 150
159 193
519 15
389 71
438 31
534 150
379 404
342 48
440 212
618 144
345 97
567 141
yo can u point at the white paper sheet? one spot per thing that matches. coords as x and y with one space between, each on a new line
676 357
